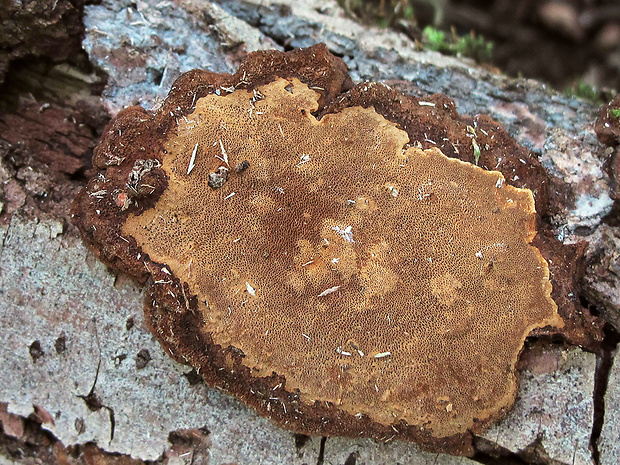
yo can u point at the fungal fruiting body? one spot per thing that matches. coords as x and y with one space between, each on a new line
326 271
317 272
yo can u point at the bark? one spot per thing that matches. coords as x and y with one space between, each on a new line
74 365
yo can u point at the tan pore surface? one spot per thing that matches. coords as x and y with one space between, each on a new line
396 284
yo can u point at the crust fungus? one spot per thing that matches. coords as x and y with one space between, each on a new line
305 249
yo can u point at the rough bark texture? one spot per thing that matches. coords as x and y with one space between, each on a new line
49 29
79 365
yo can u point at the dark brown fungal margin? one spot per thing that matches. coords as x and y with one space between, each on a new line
607 130
335 234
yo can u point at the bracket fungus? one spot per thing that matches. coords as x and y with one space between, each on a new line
307 250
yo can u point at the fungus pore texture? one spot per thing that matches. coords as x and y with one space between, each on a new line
398 284
326 271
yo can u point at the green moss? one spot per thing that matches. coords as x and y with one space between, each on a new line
614 113
390 13
470 45
584 91
435 39
475 47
